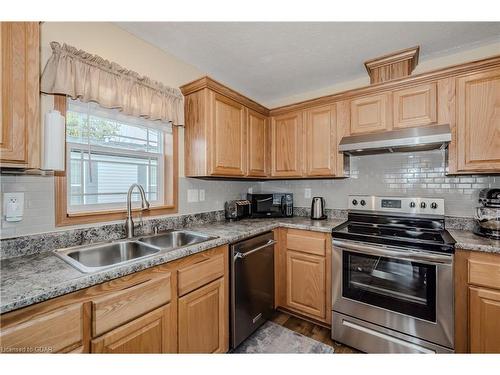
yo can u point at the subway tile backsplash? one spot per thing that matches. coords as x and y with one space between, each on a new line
398 174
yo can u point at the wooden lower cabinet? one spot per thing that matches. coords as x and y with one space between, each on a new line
305 283
477 302
150 333
178 306
484 320
303 273
203 322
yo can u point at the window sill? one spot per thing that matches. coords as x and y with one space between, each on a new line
101 216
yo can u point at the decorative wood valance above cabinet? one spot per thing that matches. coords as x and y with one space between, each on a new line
246 140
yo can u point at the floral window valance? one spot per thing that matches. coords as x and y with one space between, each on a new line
91 78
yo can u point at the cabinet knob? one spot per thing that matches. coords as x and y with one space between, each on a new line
412 204
354 202
362 202
423 205
434 205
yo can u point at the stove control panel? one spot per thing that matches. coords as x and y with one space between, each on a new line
407 205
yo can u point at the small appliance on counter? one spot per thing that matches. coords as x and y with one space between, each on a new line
271 204
318 208
237 209
488 214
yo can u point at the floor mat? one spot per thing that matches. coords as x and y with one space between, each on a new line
273 338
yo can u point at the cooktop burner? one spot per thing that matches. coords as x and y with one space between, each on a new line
396 222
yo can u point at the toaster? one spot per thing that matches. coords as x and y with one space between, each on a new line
237 209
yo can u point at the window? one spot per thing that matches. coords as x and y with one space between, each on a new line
106 152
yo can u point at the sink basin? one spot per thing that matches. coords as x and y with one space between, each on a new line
91 258
174 239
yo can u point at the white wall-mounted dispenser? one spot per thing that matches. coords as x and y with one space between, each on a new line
13 206
54 141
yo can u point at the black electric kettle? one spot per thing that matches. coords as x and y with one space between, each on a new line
318 208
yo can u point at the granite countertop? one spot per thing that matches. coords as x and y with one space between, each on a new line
27 280
467 240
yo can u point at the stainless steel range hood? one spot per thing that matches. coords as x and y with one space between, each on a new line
404 140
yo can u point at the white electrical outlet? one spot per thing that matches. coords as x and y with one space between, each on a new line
307 193
13 206
202 195
192 195
250 190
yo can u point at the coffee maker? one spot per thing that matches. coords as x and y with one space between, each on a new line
488 214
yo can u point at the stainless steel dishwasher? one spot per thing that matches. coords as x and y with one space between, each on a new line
252 285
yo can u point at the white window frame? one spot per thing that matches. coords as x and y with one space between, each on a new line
96 208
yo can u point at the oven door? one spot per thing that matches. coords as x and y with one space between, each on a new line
404 290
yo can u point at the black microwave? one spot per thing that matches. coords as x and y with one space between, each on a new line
271 205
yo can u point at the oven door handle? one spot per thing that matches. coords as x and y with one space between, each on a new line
411 255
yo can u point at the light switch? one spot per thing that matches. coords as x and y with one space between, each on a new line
202 195
307 193
192 195
13 206
250 190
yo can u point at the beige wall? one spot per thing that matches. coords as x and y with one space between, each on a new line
431 63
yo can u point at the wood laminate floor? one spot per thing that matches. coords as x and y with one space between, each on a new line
311 330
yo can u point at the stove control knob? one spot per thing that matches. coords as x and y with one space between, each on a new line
362 202
423 205
354 202
412 204
434 205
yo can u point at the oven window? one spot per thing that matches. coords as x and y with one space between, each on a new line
397 285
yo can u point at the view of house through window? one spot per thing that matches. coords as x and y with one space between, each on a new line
107 152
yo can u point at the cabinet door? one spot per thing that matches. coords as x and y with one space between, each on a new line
478 122
257 133
484 322
19 133
371 114
59 330
416 106
321 146
151 333
228 137
203 321
306 284
286 144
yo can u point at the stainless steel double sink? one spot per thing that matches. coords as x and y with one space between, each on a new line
95 257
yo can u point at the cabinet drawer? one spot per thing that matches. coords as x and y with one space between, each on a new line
47 333
113 310
193 276
484 273
306 242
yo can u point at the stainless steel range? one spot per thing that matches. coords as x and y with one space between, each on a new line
393 276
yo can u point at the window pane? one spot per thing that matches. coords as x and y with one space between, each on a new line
104 178
108 152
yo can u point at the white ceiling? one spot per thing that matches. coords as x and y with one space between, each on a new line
270 61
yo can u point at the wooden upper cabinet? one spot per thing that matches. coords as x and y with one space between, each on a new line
257 144
478 122
19 98
371 114
228 136
287 145
484 325
415 106
321 142
216 139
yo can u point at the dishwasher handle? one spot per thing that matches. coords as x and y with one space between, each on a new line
239 255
